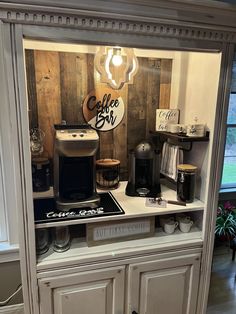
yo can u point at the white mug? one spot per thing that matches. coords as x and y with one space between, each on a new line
170 226
173 128
196 130
164 219
176 128
185 225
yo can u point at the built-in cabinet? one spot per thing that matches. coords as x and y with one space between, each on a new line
127 276
161 283
160 274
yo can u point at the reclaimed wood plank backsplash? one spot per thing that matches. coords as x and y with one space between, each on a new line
57 83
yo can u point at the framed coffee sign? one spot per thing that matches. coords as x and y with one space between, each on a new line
103 108
164 117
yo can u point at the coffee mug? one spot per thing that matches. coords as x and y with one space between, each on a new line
197 130
173 128
185 225
170 226
176 128
164 219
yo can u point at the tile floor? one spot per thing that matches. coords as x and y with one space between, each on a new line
222 294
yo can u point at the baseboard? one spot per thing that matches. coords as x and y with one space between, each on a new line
12 309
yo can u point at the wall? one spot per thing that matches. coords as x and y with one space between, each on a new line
200 78
59 81
10 280
197 99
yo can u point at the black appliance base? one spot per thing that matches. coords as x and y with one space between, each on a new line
131 190
45 210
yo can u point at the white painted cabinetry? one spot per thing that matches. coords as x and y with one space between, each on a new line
159 274
95 291
164 286
148 286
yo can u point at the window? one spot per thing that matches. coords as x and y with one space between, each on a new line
8 222
8 202
229 168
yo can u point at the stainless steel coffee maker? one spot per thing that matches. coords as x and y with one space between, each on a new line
75 147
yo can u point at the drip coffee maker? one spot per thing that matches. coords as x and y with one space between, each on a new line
75 147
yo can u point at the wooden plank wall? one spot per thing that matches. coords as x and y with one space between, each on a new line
58 82
48 93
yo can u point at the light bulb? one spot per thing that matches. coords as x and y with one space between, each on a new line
117 58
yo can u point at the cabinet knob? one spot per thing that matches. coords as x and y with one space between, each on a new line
134 312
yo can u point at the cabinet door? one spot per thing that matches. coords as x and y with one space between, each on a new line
97 291
164 286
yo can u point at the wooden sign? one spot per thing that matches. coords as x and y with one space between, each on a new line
165 117
121 230
103 109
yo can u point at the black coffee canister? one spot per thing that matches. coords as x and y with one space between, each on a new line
186 181
40 174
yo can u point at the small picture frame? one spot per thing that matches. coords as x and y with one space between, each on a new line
165 117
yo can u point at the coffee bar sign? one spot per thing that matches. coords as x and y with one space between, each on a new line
103 109
164 117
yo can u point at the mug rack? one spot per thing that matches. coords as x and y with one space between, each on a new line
179 138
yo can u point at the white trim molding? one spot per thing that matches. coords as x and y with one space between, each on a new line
8 253
12 309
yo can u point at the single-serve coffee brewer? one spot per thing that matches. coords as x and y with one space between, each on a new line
144 171
75 147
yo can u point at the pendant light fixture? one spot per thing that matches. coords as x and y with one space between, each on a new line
116 66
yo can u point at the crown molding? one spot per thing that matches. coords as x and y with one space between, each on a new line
127 24
208 12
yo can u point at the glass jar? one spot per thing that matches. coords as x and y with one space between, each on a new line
40 174
186 179
42 241
107 173
61 238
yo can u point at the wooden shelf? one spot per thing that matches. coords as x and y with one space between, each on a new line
79 251
180 138
134 207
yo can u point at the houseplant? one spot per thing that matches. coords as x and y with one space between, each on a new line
225 228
